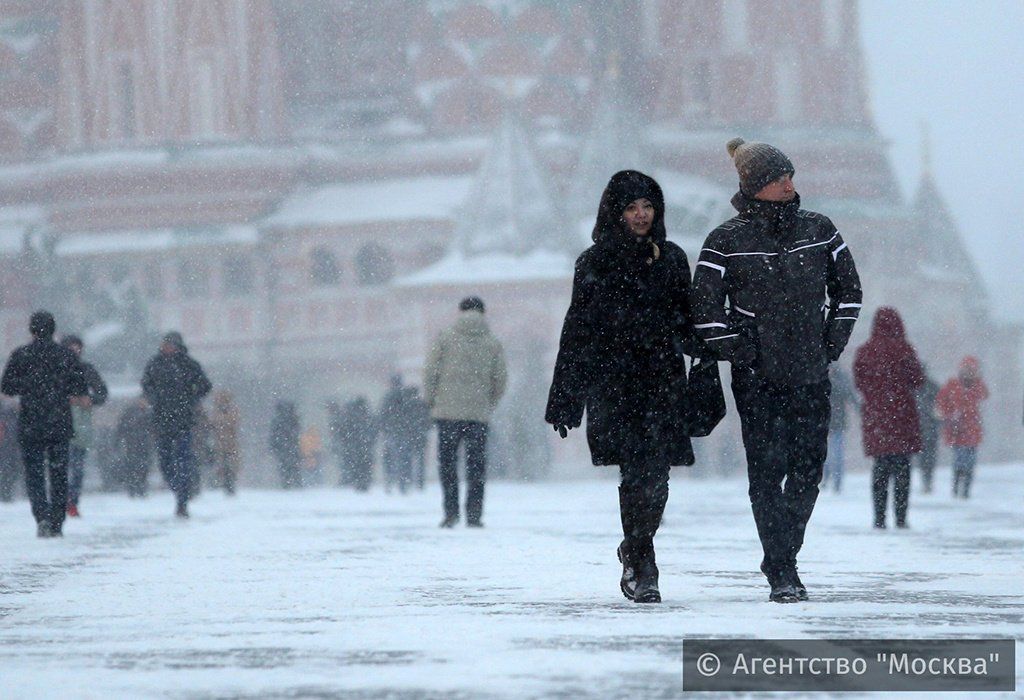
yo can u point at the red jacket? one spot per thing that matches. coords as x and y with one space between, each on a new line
959 405
887 372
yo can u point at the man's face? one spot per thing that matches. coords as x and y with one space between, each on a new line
76 348
781 190
168 348
638 216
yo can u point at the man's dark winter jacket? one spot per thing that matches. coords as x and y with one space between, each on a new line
45 375
173 384
628 326
759 291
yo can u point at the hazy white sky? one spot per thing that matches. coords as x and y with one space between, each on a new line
959 65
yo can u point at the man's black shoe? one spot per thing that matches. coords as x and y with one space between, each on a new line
181 511
783 593
627 584
647 584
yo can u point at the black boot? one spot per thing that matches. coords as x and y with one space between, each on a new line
627 584
783 589
798 585
647 582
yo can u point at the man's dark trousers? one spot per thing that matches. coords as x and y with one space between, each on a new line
38 456
174 449
450 433
785 435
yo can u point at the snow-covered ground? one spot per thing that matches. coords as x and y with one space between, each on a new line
327 593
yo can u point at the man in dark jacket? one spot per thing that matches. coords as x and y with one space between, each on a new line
81 415
48 378
774 263
173 384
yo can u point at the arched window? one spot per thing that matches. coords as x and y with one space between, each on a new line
324 267
374 264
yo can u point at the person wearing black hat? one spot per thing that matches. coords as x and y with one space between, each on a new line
776 293
463 380
621 359
48 378
174 384
81 414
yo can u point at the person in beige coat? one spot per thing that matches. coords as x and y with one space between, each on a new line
463 380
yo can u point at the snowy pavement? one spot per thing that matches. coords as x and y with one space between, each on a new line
328 593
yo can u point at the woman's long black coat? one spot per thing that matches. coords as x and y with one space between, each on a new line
621 354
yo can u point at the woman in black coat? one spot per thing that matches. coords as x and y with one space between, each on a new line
621 359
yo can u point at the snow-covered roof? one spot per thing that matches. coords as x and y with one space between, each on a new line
97 243
493 268
408 199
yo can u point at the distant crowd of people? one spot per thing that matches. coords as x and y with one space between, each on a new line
50 436
903 411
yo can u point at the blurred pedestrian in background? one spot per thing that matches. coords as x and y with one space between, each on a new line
48 378
174 384
134 438
888 374
10 456
284 443
930 425
358 434
959 405
842 396
81 417
224 426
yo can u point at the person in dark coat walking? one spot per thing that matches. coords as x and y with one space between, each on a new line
418 418
775 263
621 359
930 426
959 405
842 396
358 433
48 377
174 384
888 374
134 437
335 420
284 443
81 415
10 455
394 428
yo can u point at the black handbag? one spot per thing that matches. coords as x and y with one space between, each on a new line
704 397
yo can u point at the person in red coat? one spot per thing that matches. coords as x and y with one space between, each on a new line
958 403
887 373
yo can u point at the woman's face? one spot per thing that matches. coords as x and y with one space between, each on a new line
638 216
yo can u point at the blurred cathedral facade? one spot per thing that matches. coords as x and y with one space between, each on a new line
306 189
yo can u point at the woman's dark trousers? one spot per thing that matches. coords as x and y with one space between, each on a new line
450 434
895 468
785 436
643 493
